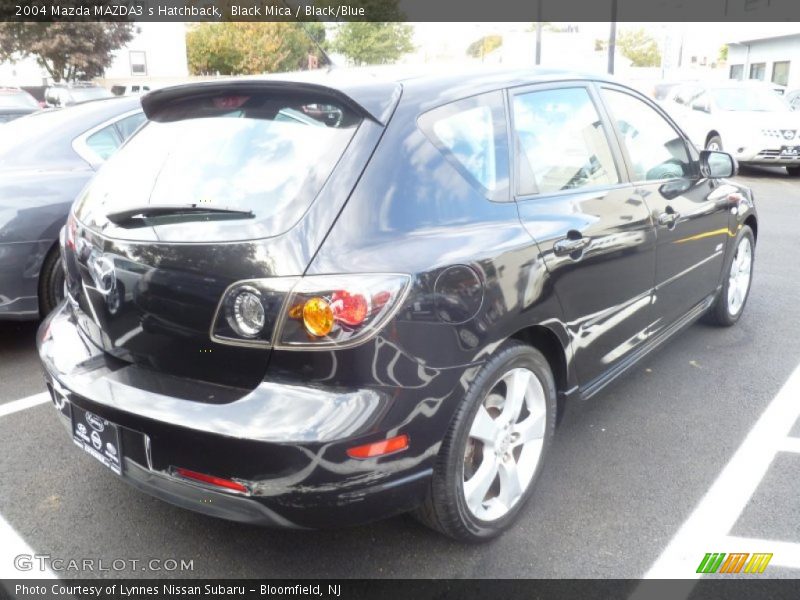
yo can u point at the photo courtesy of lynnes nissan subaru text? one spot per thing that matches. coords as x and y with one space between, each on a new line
323 299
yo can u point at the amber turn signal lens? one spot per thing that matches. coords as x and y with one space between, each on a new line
318 317
382 448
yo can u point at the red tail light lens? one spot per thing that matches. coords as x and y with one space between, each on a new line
227 484
350 309
70 232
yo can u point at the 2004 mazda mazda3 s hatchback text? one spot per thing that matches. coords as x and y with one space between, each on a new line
329 299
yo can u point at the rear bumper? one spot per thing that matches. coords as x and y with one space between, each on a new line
286 443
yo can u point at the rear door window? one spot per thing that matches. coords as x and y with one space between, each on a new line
129 124
262 153
561 143
472 133
104 142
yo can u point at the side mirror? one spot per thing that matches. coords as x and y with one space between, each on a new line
717 165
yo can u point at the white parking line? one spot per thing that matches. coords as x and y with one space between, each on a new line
14 546
17 405
707 528
784 554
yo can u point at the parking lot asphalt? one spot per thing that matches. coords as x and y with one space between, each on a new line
626 470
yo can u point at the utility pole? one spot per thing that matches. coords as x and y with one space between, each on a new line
612 37
538 32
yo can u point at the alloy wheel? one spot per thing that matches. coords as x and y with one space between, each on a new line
739 277
504 445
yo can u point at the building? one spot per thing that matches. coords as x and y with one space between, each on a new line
774 59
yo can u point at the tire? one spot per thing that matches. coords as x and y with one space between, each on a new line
51 283
793 171
714 143
490 512
724 312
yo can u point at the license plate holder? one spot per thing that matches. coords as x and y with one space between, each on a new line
98 437
790 151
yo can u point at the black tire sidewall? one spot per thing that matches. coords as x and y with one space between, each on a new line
514 355
51 283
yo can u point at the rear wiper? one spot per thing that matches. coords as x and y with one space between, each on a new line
177 210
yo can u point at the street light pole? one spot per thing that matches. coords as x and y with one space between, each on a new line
538 32
612 37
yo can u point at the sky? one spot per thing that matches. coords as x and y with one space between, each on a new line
699 38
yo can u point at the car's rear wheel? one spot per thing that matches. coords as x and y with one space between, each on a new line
793 171
732 298
493 452
714 143
51 283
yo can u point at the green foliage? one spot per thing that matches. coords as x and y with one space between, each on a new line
249 48
481 47
723 53
373 43
68 51
640 47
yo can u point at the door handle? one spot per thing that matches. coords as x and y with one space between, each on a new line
570 245
668 218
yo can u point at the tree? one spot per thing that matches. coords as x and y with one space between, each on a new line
373 43
481 47
640 47
66 50
723 53
248 48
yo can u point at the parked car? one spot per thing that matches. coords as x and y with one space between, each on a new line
748 119
59 96
15 103
45 160
323 326
130 89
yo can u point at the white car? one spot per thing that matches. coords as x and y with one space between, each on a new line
746 119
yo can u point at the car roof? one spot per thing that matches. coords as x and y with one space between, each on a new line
376 89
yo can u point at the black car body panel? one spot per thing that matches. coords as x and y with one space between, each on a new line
484 265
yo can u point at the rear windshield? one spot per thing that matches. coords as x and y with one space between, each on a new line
17 100
264 156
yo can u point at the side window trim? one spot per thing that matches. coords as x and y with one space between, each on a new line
619 138
620 164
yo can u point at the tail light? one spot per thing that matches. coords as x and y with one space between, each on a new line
70 231
318 311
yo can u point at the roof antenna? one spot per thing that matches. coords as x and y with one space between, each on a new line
302 24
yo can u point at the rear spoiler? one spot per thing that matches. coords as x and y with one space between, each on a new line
373 101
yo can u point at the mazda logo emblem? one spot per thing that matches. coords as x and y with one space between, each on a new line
103 274
788 134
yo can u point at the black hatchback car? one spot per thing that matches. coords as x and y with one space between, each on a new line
287 316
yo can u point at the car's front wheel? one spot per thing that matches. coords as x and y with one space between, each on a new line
730 302
493 452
